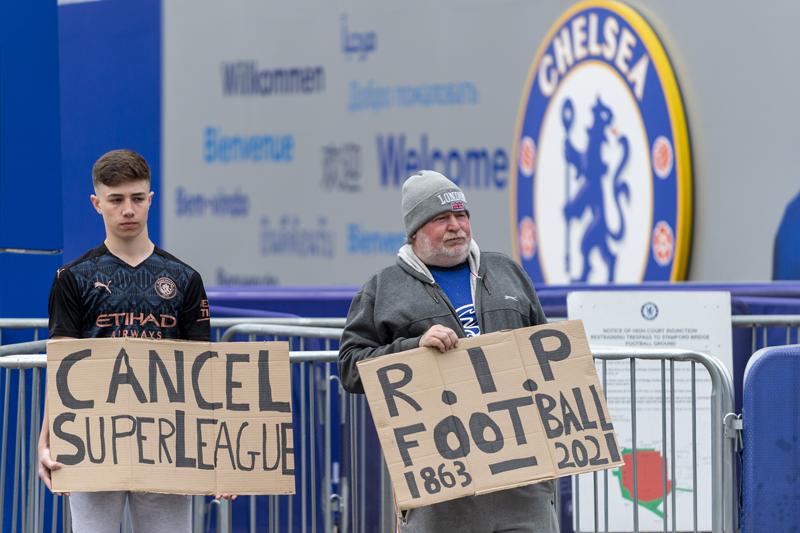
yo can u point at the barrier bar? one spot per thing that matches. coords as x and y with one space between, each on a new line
30 491
664 493
4 446
633 448
674 452
605 472
694 446
723 503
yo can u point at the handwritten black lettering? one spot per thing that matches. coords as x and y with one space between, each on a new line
264 448
568 416
162 439
512 407
102 441
197 366
223 428
546 357
451 424
482 371
265 402
565 462
252 455
611 443
411 481
202 444
124 378
230 384
605 426
175 393
390 388
478 424
587 424
181 461
62 385
595 460
140 421
286 450
58 431
579 453
512 464
546 404
403 445
119 435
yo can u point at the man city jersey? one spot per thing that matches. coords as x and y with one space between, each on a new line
454 281
100 295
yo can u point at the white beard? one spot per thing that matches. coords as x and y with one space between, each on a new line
437 254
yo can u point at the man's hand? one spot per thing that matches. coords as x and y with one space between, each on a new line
47 465
225 496
439 337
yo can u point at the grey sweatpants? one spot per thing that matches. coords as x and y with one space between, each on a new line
101 512
527 509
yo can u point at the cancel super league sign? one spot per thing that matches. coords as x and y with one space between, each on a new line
171 416
502 410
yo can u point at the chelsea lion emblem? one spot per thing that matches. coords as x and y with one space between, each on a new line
601 188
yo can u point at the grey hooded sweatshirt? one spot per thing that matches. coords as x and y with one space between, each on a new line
390 313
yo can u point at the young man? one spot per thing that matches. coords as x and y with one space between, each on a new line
126 287
443 288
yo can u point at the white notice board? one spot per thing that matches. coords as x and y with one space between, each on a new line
694 320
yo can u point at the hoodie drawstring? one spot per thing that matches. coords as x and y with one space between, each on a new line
431 292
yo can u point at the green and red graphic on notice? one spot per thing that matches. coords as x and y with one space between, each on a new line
650 479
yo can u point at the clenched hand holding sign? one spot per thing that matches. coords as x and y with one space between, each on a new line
171 416
502 410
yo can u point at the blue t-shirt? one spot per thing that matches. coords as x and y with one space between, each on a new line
454 281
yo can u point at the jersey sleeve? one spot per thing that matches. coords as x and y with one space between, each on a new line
64 308
195 319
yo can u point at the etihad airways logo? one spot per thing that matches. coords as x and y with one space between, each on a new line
131 319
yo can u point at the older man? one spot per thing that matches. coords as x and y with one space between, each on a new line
443 288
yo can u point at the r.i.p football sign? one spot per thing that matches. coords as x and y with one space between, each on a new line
502 410
601 188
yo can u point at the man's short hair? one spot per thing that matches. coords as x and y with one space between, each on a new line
119 166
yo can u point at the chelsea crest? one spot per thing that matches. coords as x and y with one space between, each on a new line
602 189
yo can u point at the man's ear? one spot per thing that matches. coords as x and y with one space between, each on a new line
150 198
96 203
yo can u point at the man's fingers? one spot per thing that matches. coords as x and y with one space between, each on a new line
47 463
439 337
452 339
46 466
44 473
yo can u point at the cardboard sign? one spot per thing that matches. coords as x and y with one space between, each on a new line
502 410
171 416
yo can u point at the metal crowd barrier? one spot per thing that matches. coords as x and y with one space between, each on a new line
724 514
764 322
321 400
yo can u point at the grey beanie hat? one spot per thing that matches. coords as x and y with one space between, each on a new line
427 194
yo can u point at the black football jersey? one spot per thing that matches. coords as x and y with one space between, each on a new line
100 295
